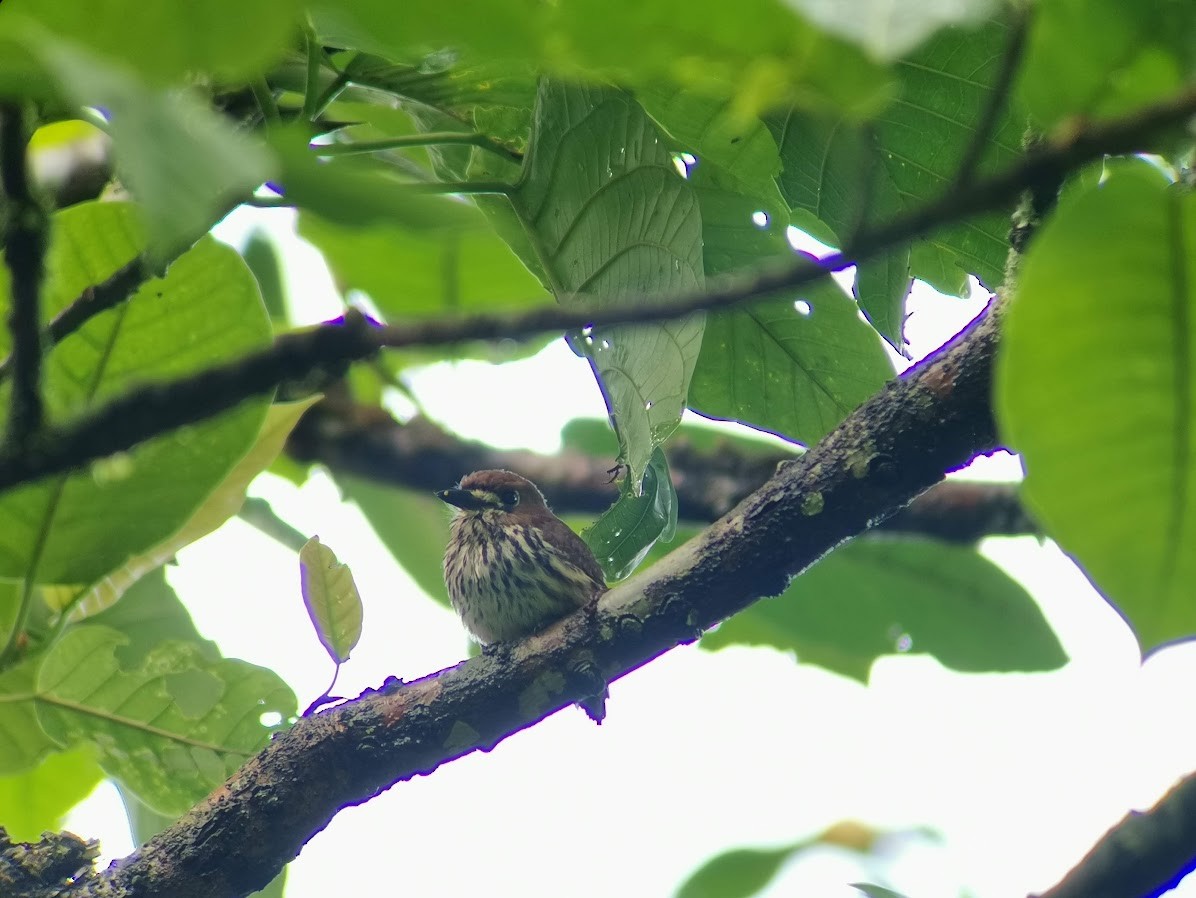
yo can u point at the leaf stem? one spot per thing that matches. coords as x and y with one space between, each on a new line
315 59
265 100
430 138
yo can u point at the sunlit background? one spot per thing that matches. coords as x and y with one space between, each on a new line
991 785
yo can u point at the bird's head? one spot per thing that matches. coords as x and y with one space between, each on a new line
496 491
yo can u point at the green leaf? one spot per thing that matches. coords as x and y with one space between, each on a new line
720 135
149 614
170 730
38 800
628 529
231 39
881 286
506 31
757 51
882 596
429 272
796 371
889 30
261 255
331 598
414 526
594 156
910 155
874 891
738 873
205 310
23 742
221 504
1104 57
1095 388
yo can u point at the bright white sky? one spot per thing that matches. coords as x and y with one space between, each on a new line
700 751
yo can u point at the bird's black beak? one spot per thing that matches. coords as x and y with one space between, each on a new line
464 499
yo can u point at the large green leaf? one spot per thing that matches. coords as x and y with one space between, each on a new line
221 504
882 596
231 39
149 614
911 154
738 873
757 50
1097 389
1104 57
170 730
23 742
205 310
793 370
36 801
429 272
186 166
720 135
612 218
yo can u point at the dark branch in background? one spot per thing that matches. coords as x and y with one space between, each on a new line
149 411
932 419
998 97
1143 855
364 441
26 227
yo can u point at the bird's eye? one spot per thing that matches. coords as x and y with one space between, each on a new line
509 498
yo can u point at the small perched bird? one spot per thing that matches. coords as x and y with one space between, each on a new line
512 567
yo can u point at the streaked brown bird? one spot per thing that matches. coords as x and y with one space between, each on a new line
512 567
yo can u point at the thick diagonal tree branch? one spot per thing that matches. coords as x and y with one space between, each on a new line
931 420
146 412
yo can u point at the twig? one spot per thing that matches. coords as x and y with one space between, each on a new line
122 284
986 124
149 411
25 239
258 513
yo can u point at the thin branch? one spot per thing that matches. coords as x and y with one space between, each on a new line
875 461
148 411
998 97
26 235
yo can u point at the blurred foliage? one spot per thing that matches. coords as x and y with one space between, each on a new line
449 163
